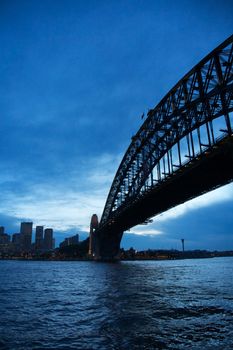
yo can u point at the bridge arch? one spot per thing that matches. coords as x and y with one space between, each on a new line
202 95
153 176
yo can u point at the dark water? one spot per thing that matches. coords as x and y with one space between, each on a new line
131 305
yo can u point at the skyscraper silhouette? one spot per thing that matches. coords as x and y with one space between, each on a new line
39 237
26 232
48 239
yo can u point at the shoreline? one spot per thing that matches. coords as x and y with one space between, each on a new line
207 256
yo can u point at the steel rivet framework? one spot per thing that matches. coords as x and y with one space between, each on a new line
155 153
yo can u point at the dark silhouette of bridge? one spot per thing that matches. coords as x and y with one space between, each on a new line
178 153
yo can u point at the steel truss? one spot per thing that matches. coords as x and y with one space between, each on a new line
201 96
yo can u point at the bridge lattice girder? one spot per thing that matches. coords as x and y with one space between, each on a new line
202 95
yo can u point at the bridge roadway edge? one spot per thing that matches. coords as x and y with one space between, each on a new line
198 177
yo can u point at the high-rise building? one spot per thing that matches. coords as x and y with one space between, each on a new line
2 229
48 239
70 241
26 232
5 243
17 242
4 238
16 238
39 237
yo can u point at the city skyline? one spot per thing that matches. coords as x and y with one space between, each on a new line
26 241
75 81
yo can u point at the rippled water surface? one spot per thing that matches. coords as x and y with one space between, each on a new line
186 304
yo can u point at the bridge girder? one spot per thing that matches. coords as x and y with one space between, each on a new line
205 173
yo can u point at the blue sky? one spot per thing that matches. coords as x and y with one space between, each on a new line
75 78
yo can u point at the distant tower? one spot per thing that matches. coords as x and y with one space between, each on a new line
39 237
92 239
26 232
182 241
2 229
48 239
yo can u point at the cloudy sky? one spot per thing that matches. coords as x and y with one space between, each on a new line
75 78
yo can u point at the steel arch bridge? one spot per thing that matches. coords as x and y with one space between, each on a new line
176 154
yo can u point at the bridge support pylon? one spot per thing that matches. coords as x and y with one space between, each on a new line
93 239
108 245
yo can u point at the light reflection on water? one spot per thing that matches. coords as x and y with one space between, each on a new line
186 304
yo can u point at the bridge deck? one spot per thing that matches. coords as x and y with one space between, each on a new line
199 176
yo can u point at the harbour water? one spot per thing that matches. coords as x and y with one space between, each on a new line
181 304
